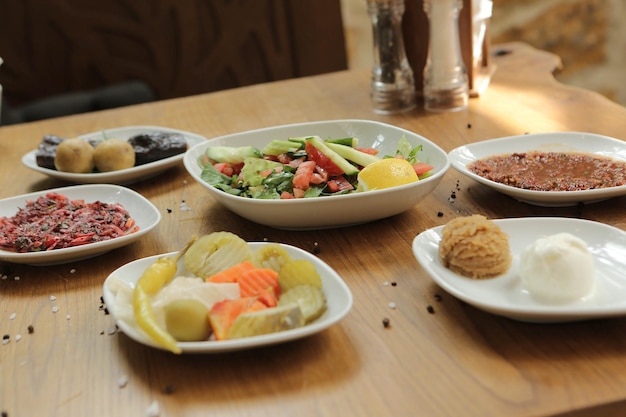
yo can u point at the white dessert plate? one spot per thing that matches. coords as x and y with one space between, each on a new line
338 298
329 211
143 211
505 295
560 142
123 176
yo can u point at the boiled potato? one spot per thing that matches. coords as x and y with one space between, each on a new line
114 154
187 320
74 155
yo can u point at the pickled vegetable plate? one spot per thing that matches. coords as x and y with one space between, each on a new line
338 298
329 211
123 176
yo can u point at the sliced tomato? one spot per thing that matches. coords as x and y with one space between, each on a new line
237 168
322 160
224 168
340 183
422 168
303 175
370 151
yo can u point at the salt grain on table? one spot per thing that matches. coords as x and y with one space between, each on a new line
55 309
52 298
122 381
153 410
12 316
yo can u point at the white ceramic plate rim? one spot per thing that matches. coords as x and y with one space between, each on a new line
123 176
560 141
338 296
505 296
146 215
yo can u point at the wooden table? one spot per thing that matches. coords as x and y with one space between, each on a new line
455 361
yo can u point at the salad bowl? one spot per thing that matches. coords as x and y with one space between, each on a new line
327 211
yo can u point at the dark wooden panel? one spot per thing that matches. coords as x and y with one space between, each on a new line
178 47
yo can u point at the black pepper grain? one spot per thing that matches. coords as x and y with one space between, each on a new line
394 283
5 414
437 297
430 309
469 125
6 337
31 329
440 214
386 322
169 210
316 248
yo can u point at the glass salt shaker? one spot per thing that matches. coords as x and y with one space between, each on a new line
446 85
392 83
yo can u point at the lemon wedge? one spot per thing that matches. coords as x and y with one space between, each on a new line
386 173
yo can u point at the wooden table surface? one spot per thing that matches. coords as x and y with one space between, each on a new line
457 361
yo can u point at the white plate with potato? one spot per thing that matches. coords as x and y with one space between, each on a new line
337 293
122 176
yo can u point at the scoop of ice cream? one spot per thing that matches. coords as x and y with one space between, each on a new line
475 247
557 268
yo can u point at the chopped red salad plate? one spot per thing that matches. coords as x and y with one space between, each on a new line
72 223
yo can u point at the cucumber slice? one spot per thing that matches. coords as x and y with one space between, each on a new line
270 320
360 158
230 154
352 142
337 159
310 299
277 147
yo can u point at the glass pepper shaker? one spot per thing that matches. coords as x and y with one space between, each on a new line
446 85
392 83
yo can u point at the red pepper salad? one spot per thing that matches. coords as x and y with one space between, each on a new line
53 221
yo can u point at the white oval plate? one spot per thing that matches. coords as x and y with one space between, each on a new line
338 298
123 176
329 211
143 211
505 296
546 142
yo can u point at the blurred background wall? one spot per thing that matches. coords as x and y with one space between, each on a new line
588 35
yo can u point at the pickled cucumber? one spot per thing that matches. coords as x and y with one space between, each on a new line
187 320
269 320
310 299
215 252
272 256
298 272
